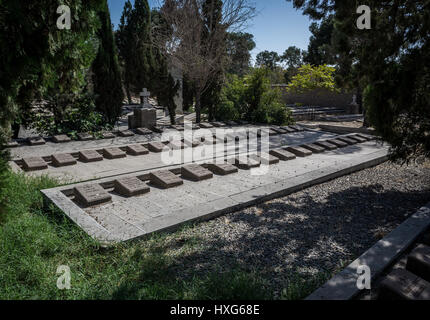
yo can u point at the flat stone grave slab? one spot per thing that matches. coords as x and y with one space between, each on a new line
114 153
368 137
36 141
90 156
222 169
63 160
61 138
338 143
326 145
196 172
156 146
126 133
84 137
91 195
195 126
403 285
218 124
347 140
297 128
12 144
245 163
165 179
137 150
419 262
194 143
130 186
265 158
313 147
158 129
34 164
143 131
289 130
178 127
108 135
299 151
206 125
283 154
357 138
273 132
176 145
127 218
280 130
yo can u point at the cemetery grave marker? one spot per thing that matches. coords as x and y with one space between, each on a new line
12 144
91 195
131 186
419 261
347 140
196 172
36 141
176 145
205 125
108 135
126 133
34 164
62 138
299 151
401 284
178 127
90 156
338 143
63 160
85 137
157 129
313 147
245 163
289 130
114 153
165 179
283 154
366 136
218 124
222 169
265 158
156 146
357 138
326 145
137 150
143 131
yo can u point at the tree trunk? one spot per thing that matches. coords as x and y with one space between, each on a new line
198 105
127 90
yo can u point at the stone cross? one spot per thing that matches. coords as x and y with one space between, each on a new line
144 97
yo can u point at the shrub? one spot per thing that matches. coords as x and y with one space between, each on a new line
312 77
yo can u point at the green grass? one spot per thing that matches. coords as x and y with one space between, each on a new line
35 240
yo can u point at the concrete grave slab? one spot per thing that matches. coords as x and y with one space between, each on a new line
245 163
126 133
131 186
347 140
206 125
12 144
34 164
143 131
326 145
36 141
137 150
108 135
156 146
90 156
85 137
178 127
176 145
283 154
114 153
165 179
91 195
63 160
357 138
222 169
403 285
338 143
218 124
313 147
299 151
419 262
196 172
265 158
62 138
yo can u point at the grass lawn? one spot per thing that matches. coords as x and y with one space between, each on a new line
35 240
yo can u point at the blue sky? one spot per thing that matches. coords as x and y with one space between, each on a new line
277 26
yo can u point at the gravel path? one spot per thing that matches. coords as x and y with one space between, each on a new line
309 233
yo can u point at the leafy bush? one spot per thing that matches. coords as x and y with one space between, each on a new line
312 77
69 114
252 98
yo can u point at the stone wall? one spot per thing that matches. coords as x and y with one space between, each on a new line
319 97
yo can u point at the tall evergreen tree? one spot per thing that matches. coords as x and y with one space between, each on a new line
239 47
320 49
134 44
106 72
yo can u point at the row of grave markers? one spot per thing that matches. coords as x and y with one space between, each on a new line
87 156
90 195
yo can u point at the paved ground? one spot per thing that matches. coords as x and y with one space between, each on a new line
310 232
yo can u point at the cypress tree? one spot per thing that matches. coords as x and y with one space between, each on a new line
106 72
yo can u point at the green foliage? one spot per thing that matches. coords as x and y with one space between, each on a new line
239 47
320 49
77 115
312 77
268 59
391 61
106 72
252 98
